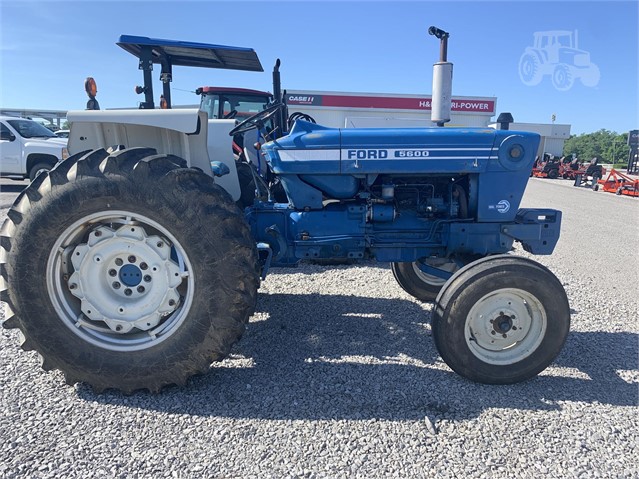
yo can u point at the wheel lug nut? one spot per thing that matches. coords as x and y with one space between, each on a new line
112 272
128 292
160 244
504 335
116 285
147 278
73 286
118 327
118 261
144 266
141 289
98 234
171 302
493 332
132 259
514 328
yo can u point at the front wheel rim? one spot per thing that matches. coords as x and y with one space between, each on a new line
119 280
433 280
505 326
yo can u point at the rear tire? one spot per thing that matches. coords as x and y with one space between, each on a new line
553 174
501 320
174 242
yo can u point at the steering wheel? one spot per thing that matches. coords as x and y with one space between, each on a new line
298 115
257 120
230 114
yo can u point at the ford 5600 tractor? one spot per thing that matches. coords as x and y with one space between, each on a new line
131 266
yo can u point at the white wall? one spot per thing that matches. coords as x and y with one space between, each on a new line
553 135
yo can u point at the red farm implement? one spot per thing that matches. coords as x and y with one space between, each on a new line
620 184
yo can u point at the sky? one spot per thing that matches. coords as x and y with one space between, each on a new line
48 48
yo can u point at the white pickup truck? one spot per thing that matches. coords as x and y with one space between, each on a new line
27 148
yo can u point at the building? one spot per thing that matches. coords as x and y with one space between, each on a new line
373 110
553 135
54 118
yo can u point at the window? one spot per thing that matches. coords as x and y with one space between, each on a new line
5 133
30 129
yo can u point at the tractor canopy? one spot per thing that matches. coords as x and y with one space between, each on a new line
168 53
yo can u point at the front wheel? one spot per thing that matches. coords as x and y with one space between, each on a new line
501 320
418 283
37 169
128 271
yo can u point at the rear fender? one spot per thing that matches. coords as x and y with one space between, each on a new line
186 133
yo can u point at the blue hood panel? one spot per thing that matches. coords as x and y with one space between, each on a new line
314 149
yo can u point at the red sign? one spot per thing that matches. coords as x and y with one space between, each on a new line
395 103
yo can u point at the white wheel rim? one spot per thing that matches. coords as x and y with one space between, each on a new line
120 280
449 266
505 326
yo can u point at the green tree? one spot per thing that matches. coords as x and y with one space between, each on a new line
608 146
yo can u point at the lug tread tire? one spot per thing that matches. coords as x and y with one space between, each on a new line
406 277
200 214
460 293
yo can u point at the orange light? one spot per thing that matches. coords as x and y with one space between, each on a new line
163 103
90 87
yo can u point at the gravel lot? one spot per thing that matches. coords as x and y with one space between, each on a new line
337 376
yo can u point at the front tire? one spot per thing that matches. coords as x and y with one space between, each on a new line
128 271
37 169
501 320
419 284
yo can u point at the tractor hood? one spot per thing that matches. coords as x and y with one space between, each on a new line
311 148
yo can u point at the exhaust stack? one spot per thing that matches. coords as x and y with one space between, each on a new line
442 81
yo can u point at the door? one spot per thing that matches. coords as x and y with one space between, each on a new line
10 151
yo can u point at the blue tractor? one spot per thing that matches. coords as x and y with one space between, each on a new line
131 266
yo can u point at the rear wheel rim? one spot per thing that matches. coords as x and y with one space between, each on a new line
505 326
120 280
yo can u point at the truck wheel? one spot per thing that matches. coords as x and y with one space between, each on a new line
501 320
419 284
127 270
37 169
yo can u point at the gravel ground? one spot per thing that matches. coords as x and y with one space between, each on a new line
337 376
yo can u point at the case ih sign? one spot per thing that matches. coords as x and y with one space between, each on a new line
394 103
